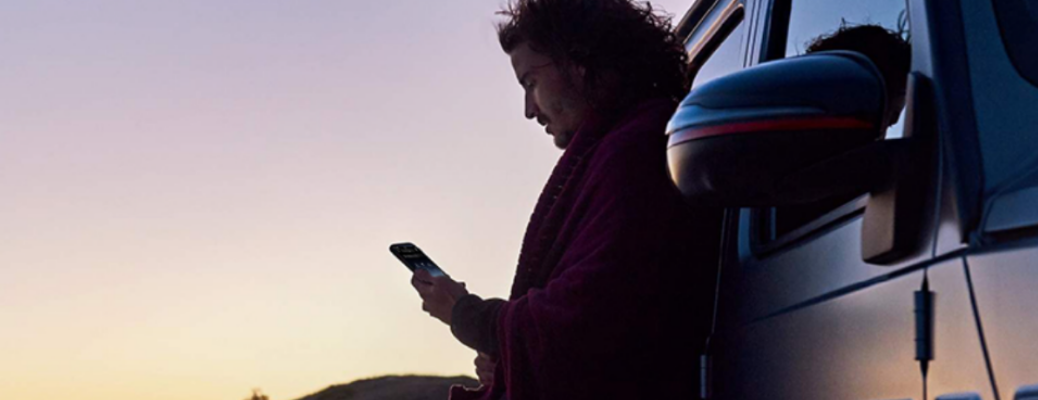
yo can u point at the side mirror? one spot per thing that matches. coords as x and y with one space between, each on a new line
736 139
804 129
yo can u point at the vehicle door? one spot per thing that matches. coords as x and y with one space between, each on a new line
799 313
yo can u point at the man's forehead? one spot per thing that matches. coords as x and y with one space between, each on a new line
525 59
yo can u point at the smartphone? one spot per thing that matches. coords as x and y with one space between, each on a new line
413 258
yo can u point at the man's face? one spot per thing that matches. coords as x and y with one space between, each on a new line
551 96
895 102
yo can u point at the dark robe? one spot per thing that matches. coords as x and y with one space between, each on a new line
613 292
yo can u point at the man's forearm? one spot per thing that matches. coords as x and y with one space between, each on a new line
474 322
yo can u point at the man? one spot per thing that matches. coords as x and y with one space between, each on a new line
612 294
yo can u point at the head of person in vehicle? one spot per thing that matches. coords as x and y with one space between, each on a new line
887 49
578 58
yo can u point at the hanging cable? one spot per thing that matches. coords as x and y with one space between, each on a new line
705 363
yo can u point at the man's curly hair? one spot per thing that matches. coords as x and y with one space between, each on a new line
630 39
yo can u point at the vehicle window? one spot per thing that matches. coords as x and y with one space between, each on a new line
727 57
809 19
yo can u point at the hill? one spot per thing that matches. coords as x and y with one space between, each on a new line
393 388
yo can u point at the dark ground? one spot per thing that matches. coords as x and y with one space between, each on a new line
393 388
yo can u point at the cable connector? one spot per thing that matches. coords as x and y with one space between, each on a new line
924 326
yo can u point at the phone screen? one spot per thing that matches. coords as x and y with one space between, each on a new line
413 258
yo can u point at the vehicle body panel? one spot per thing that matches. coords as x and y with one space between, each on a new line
1006 285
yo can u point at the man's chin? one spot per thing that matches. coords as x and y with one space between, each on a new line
562 140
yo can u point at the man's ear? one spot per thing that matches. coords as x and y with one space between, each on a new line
575 73
579 71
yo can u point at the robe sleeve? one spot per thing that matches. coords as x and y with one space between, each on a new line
474 323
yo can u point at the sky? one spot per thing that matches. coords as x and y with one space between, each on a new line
197 197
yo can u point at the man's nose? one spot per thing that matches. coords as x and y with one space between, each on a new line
531 109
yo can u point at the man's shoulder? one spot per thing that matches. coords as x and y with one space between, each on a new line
648 115
633 154
639 135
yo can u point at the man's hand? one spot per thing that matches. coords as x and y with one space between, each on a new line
485 369
438 293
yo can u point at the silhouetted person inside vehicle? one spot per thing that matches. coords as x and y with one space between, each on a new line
887 49
892 55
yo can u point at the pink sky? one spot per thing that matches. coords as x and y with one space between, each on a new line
197 196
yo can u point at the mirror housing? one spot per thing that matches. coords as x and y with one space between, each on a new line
738 141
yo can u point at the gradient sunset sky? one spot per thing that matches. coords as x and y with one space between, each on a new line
196 197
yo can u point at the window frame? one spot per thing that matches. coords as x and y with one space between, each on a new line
1017 25
726 20
759 221
764 241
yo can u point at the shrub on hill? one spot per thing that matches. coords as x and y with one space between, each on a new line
393 388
